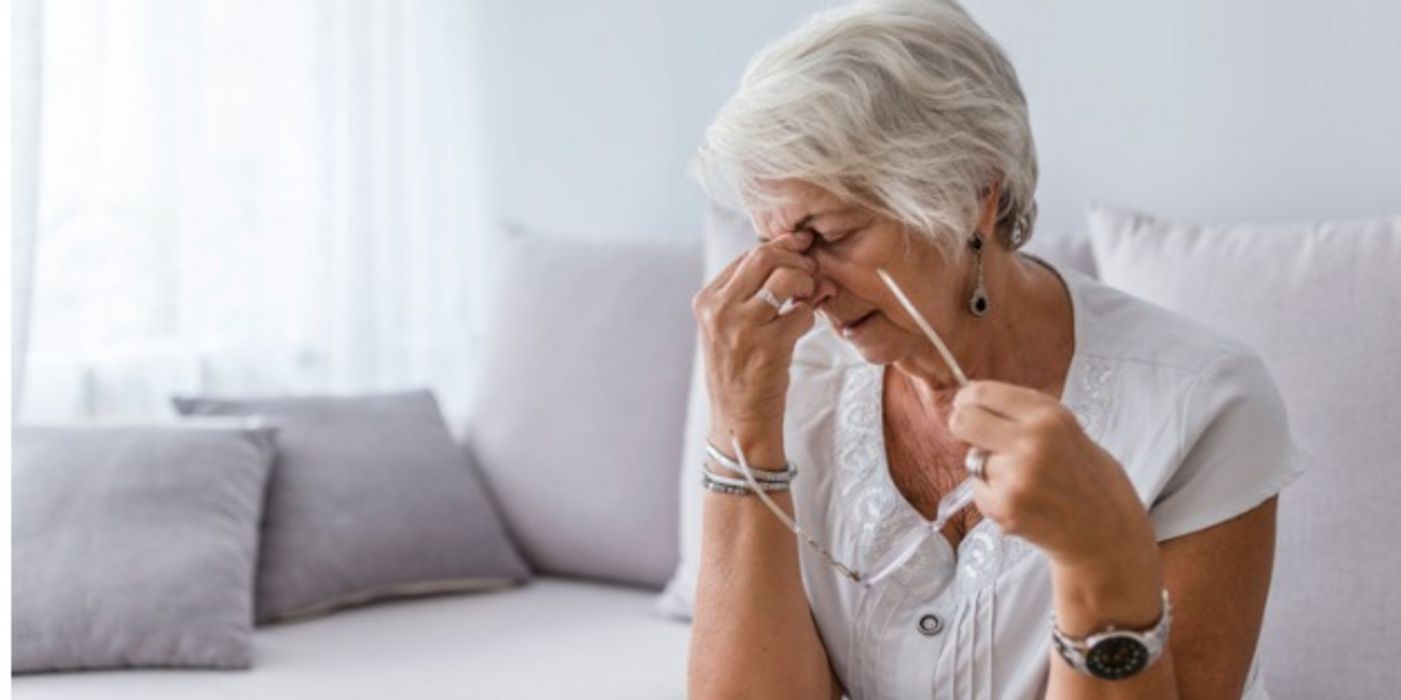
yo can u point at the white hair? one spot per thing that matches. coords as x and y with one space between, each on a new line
904 106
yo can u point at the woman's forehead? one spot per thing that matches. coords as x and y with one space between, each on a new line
793 204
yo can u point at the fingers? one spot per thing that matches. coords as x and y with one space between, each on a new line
796 242
718 281
982 428
759 263
795 323
785 283
1008 400
777 266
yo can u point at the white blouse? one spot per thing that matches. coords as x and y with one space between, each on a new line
1193 417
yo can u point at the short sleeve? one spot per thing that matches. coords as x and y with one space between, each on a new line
1237 446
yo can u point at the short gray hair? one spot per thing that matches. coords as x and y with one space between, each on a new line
905 106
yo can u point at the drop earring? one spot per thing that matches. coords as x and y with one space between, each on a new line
978 303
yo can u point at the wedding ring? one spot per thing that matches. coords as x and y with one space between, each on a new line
976 463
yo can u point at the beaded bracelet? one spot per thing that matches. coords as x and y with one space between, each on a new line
711 480
726 489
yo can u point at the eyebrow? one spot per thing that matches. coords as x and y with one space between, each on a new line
807 221
803 223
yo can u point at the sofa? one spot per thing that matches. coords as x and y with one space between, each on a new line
580 430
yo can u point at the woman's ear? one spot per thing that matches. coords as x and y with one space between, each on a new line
990 198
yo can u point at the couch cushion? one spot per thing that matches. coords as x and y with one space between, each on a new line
578 417
548 639
136 545
370 497
1064 249
1320 302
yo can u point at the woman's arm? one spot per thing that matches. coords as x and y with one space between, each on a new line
1219 580
1047 482
753 634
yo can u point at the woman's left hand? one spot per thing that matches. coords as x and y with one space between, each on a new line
1045 480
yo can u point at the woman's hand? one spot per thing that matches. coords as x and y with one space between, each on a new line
1046 481
747 345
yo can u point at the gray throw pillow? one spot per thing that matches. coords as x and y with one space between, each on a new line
369 498
135 545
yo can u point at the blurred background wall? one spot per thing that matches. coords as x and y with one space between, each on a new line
270 196
1252 109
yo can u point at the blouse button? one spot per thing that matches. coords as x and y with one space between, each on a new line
930 625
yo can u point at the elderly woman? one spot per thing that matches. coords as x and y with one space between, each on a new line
1126 460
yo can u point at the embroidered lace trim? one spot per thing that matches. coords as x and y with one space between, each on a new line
880 515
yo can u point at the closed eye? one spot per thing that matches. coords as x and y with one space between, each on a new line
833 238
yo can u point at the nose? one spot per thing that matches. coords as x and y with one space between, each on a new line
824 287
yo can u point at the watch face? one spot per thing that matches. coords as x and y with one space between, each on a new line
1116 657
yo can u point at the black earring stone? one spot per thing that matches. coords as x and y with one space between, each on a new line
979 303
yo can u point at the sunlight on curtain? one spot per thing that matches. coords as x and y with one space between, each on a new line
253 197
26 18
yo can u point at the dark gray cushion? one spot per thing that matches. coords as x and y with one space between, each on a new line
370 498
135 546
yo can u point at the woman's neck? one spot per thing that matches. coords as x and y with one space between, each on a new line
1028 339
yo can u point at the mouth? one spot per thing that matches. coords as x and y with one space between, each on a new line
852 327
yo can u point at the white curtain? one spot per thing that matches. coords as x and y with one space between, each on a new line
26 18
254 197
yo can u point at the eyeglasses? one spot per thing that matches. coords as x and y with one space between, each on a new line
952 502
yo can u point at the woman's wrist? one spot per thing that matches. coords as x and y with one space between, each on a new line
1122 587
763 445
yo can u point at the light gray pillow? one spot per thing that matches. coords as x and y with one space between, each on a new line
1064 249
578 418
369 498
135 545
1320 301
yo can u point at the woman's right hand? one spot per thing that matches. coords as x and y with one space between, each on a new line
747 345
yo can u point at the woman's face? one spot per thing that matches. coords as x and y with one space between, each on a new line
849 243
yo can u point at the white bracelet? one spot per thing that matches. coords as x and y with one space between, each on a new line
763 476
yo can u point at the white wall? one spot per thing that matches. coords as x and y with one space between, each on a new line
1250 109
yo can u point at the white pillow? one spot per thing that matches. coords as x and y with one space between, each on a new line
580 406
1322 305
1064 249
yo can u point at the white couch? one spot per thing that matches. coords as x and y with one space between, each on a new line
558 637
591 504
552 638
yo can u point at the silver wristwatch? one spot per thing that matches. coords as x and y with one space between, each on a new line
1113 653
